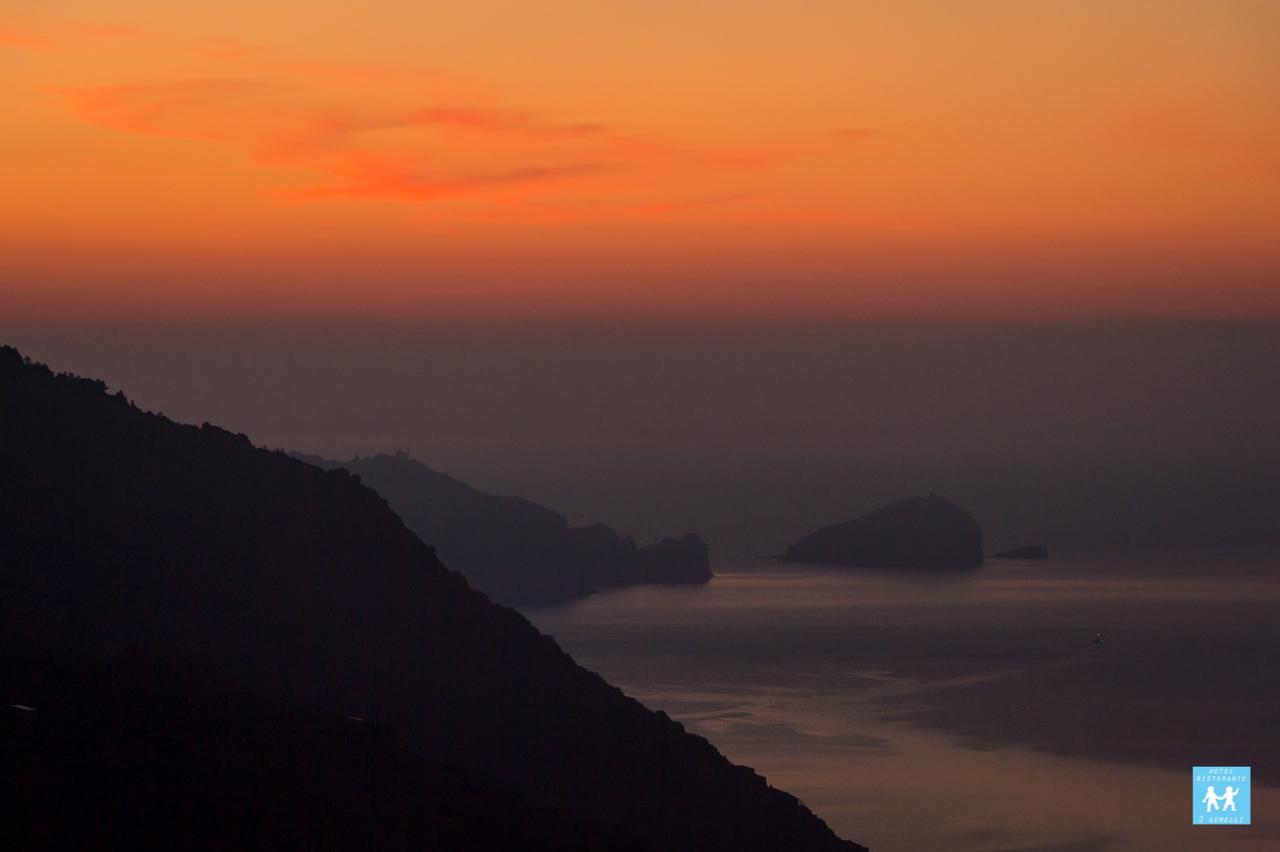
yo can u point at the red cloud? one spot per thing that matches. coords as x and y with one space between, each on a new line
358 143
364 175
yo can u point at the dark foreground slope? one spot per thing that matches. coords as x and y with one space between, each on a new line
512 549
919 532
131 753
119 528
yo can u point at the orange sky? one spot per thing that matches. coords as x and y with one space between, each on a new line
399 159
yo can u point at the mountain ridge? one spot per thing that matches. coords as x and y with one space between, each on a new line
154 755
121 528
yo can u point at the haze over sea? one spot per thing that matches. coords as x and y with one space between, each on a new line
972 710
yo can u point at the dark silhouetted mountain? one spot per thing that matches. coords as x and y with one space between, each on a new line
132 753
1024 551
513 550
122 529
919 532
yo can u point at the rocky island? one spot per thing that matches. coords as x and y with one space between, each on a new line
919 532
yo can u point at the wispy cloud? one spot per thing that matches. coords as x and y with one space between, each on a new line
27 39
191 108
366 132
365 176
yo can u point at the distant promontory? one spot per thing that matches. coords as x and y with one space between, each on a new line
919 532
514 550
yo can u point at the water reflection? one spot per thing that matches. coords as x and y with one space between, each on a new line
970 711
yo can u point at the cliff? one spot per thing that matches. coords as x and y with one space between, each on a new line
122 529
512 549
675 560
919 532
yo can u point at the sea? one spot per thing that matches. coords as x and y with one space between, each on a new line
1054 706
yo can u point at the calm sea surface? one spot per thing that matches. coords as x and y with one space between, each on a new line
974 711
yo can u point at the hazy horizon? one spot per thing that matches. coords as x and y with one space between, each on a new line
1083 435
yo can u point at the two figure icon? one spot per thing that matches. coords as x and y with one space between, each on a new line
1226 801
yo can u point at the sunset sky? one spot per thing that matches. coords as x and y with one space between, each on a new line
714 159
